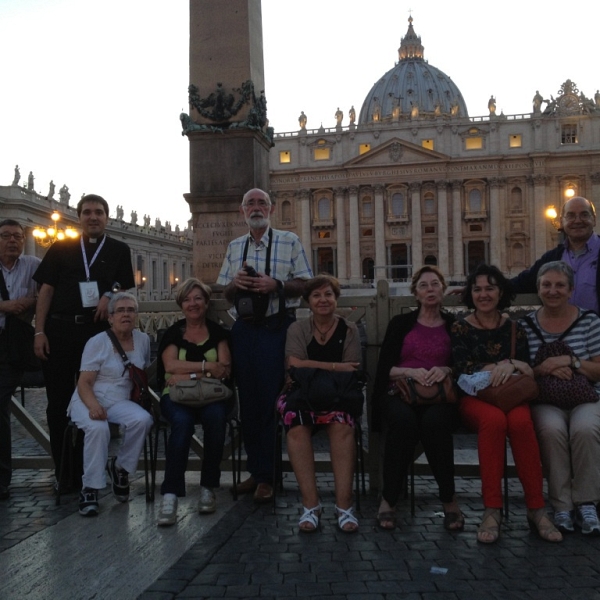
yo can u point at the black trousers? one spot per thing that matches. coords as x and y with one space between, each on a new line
61 370
405 426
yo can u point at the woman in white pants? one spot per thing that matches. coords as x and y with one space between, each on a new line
102 396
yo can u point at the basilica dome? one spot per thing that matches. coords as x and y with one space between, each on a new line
412 89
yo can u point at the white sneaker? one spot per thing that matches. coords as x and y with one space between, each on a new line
587 519
207 502
168 510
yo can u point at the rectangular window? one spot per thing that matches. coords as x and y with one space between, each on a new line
285 156
568 134
515 141
430 229
367 233
322 153
324 235
427 144
474 143
362 148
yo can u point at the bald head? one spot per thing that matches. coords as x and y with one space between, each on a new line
578 220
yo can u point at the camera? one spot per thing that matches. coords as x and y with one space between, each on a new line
250 271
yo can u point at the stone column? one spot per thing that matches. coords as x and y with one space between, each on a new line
305 228
458 271
380 258
595 199
226 52
496 223
443 248
355 275
540 225
415 222
340 231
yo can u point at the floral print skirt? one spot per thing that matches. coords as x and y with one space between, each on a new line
291 418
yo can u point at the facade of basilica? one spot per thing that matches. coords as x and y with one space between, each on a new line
416 181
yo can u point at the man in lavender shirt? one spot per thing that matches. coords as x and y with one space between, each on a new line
580 249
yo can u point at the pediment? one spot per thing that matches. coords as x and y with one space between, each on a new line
396 152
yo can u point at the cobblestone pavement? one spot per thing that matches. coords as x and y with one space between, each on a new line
252 553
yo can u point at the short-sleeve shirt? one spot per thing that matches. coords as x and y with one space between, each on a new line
112 384
19 281
63 269
288 261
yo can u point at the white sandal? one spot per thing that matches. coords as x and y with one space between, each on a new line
345 517
310 516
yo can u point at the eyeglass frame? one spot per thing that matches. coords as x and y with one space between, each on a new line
18 236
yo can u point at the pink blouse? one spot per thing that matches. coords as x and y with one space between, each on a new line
426 347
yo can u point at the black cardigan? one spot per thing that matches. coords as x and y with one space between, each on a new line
398 328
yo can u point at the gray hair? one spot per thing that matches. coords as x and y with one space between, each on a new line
118 297
558 266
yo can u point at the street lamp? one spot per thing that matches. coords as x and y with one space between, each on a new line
47 236
552 216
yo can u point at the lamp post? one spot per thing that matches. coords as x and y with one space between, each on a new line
47 236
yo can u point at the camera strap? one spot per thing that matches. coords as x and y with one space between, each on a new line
268 270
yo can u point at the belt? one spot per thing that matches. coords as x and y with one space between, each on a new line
77 319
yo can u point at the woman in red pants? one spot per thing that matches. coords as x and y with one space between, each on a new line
481 344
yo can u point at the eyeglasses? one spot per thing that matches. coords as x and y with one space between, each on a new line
584 216
6 236
261 203
124 310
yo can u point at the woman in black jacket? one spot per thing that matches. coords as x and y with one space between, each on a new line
417 345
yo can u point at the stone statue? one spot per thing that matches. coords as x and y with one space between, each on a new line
119 212
168 226
302 120
17 175
51 190
492 105
352 114
134 217
64 195
537 102
157 224
339 115
146 221
597 97
30 179
176 228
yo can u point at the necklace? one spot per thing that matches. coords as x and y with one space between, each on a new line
496 325
324 333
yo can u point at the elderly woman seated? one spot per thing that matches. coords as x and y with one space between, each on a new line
331 343
564 344
102 396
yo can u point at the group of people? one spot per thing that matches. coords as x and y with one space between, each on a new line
80 295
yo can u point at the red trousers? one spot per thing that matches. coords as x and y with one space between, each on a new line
493 427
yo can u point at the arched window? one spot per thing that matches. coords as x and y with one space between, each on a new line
475 201
516 200
398 206
324 209
518 255
429 204
367 207
430 259
286 211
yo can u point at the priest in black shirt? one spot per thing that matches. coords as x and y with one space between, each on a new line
76 278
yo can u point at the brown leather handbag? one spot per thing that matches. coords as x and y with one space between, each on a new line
415 393
519 389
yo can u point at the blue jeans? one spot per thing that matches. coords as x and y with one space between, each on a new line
213 418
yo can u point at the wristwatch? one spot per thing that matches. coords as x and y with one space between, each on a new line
193 376
575 363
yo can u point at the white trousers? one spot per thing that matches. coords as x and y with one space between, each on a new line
570 450
132 418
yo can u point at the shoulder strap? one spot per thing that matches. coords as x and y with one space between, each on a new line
537 332
113 338
583 314
534 328
513 338
3 289
267 258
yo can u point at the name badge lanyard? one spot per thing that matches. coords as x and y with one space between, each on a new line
85 260
267 258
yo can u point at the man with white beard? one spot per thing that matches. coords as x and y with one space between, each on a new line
263 274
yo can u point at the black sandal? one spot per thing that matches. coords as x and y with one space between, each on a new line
454 521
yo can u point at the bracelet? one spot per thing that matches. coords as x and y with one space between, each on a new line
39 333
333 366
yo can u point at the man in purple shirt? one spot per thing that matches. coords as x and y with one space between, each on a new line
580 249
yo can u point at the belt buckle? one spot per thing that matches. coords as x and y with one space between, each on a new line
79 319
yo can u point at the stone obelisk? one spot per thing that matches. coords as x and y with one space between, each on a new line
226 127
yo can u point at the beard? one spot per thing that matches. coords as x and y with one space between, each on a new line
257 221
